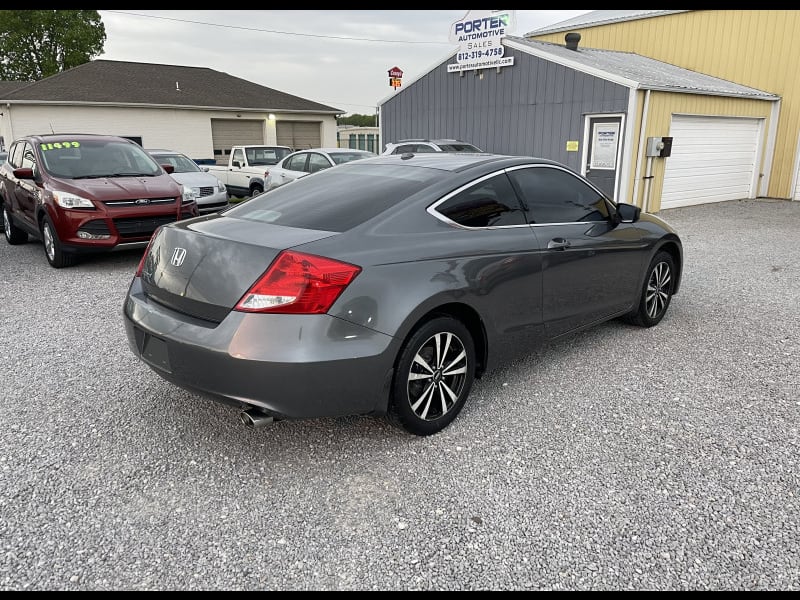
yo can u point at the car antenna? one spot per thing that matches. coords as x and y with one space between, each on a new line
51 128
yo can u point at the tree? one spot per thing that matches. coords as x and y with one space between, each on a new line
35 44
358 120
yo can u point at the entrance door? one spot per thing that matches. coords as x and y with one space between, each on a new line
602 152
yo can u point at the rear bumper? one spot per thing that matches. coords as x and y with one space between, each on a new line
289 366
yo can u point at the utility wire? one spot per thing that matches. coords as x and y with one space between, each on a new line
332 37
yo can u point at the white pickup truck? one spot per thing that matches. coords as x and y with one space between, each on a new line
247 168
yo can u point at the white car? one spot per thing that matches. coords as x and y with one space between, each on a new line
210 193
304 162
416 146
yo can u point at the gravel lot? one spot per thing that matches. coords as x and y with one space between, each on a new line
620 459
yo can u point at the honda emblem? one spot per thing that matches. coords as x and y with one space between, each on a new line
178 256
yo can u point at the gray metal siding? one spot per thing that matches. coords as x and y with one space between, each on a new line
531 108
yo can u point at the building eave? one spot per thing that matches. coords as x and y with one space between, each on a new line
171 106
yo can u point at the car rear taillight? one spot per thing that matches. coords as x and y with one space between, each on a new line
140 268
298 283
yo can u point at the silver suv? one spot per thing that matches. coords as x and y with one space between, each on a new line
416 146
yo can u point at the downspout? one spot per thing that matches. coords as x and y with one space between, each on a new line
10 125
624 175
762 187
640 153
795 170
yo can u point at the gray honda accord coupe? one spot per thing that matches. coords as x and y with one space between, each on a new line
386 286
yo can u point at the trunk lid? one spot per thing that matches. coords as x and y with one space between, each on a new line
202 267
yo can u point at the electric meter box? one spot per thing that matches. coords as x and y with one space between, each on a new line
659 146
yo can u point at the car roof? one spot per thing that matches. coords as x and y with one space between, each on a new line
433 141
163 151
79 136
261 146
333 150
457 161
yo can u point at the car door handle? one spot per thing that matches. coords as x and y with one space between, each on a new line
558 244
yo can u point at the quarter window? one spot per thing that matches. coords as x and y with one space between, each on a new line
556 196
490 203
296 163
317 162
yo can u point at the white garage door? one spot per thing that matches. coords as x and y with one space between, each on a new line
713 159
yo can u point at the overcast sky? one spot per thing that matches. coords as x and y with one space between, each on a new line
314 54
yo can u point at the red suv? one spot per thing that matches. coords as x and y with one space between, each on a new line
87 193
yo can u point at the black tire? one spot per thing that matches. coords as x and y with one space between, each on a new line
14 235
425 399
53 249
256 189
656 293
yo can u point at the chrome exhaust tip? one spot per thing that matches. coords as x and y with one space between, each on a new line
255 419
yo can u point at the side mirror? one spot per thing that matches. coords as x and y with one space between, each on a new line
204 169
237 164
628 212
170 169
23 173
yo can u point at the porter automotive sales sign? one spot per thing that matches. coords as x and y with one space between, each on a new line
479 36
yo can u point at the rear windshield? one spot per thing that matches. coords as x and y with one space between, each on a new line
336 199
265 155
182 164
89 159
343 157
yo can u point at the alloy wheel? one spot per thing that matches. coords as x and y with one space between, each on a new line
658 289
49 244
437 377
6 223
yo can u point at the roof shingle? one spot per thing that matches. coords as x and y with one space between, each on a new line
120 82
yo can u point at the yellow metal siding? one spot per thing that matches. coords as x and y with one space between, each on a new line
757 48
664 104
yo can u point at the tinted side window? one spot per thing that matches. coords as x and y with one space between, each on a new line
458 148
490 203
404 148
556 196
423 148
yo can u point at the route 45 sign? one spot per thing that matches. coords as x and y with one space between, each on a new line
479 37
